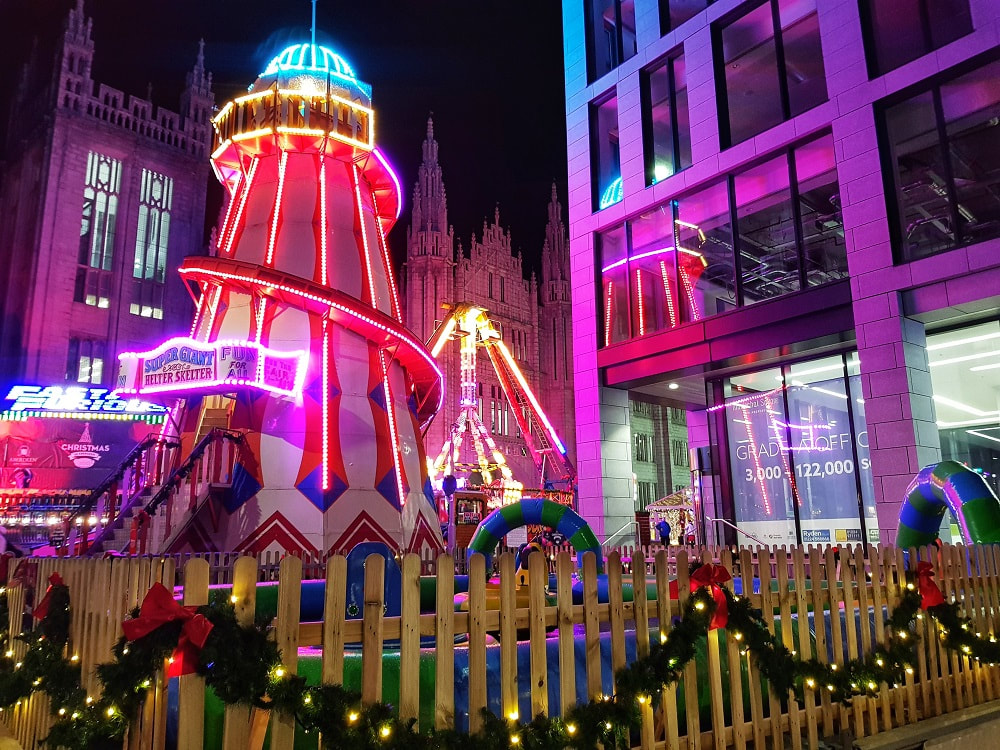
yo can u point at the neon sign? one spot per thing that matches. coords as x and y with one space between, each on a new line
183 364
74 401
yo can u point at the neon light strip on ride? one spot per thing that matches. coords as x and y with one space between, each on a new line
229 211
392 175
325 403
243 202
364 238
269 260
391 415
412 343
530 396
324 273
386 263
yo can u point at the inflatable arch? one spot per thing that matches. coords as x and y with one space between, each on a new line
948 485
546 513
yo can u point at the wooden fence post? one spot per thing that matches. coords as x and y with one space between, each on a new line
191 687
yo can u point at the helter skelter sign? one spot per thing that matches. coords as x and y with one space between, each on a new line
183 364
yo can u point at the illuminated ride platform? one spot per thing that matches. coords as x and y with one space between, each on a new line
297 341
470 324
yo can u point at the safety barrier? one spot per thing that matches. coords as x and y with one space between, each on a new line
824 604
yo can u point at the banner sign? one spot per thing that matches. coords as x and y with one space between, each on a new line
60 454
81 402
183 364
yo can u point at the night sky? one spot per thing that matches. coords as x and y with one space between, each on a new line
491 72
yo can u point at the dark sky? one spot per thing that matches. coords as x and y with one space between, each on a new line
491 72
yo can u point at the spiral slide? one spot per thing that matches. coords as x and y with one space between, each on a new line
948 485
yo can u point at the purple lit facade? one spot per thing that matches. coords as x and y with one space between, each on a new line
785 220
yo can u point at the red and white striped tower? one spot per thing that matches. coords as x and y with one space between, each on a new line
334 454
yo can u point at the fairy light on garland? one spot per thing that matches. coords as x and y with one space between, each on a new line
243 665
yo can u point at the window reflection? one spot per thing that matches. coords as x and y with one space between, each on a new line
772 67
667 129
947 189
679 263
606 171
675 12
798 451
903 30
614 285
706 253
610 35
822 227
768 251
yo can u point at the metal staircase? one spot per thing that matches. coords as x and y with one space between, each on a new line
206 472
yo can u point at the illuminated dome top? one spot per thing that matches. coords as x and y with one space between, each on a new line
313 58
294 66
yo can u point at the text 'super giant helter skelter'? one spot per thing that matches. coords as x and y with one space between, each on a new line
297 340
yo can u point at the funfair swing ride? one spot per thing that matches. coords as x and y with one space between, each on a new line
471 325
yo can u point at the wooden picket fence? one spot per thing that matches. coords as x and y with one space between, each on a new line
715 704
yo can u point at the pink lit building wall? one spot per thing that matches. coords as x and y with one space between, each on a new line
877 123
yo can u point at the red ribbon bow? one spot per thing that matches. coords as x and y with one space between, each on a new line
41 609
158 608
930 594
713 576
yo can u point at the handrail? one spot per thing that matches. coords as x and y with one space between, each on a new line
736 528
91 499
627 524
178 474
185 467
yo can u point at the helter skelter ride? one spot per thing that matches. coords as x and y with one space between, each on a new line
470 324
297 342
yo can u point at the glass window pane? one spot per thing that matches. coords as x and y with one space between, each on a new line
604 153
629 46
768 253
971 106
903 30
752 85
948 20
762 491
864 466
897 32
675 12
705 253
825 252
819 431
965 368
602 40
683 119
608 45
660 128
926 225
667 125
653 272
613 303
803 60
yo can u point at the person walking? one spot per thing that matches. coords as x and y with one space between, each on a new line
689 532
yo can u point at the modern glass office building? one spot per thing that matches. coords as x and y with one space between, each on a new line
785 220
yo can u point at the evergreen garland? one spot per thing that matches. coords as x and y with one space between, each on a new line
242 665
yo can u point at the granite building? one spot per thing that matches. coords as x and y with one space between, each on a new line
103 194
532 316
